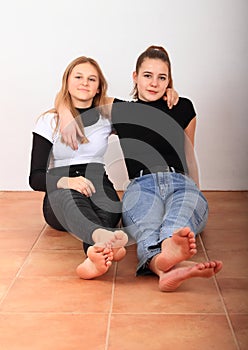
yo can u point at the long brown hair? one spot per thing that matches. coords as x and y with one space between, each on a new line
154 52
64 98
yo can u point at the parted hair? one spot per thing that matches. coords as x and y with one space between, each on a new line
153 52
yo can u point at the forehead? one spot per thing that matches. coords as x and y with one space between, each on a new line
154 65
85 69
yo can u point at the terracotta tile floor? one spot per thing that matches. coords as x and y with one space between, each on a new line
44 305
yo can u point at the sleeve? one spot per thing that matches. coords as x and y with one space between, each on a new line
116 100
187 112
40 156
115 112
45 126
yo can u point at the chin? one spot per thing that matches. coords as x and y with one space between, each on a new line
153 98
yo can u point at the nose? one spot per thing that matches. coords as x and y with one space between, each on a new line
154 82
84 81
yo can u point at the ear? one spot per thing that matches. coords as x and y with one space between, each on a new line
135 77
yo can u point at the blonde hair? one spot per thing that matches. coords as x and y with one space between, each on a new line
64 98
153 52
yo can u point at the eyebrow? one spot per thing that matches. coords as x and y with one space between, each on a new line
147 71
91 75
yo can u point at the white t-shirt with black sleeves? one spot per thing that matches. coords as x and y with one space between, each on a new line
63 155
49 152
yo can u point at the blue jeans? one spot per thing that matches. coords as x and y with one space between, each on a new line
155 205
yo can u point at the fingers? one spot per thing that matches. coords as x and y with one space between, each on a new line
70 133
89 187
176 99
79 132
170 102
69 137
73 142
171 97
73 134
84 186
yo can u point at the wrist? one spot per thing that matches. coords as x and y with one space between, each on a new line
63 182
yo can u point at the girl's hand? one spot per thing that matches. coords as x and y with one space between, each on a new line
70 132
79 183
68 127
171 97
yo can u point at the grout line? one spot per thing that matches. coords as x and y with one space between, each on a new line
21 267
113 313
221 299
39 236
202 245
111 308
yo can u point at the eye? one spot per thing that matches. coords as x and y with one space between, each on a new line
163 78
146 75
77 77
92 79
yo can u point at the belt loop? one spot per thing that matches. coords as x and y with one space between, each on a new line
141 172
173 169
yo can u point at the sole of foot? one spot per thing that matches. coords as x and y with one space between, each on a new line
97 263
181 246
117 240
169 281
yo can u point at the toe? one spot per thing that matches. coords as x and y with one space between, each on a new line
201 266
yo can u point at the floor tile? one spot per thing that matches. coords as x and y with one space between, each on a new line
235 263
5 283
44 305
26 218
226 199
232 221
234 292
53 331
52 263
11 262
141 294
26 215
54 239
240 325
170 332
226 240
59 295
23 196
18 239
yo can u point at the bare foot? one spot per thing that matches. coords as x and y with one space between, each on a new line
181 246
97 263
117 239
169 281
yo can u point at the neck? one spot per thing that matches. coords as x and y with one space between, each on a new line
150 102
82 104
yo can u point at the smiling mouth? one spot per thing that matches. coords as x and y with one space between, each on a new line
83 90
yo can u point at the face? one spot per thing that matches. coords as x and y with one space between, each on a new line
83 83
152 79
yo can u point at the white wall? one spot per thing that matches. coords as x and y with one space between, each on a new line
206 40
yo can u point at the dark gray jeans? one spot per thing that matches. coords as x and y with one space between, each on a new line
69 210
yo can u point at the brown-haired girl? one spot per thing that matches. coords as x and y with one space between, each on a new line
163 209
